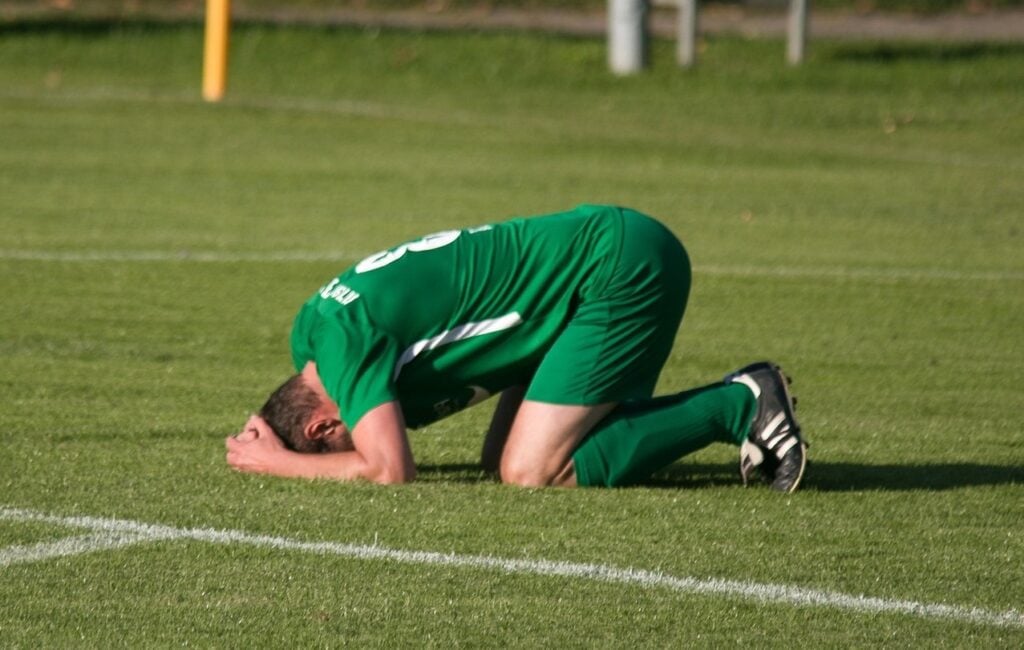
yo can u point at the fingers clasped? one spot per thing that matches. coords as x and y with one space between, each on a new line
255 448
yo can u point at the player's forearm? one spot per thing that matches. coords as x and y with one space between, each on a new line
341 466
382 454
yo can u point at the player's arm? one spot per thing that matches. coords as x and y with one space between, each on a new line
381 451
501 424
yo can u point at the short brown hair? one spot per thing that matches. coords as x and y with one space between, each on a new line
288 410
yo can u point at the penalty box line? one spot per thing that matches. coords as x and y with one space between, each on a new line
119 533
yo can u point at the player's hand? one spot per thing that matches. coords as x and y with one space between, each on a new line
256 448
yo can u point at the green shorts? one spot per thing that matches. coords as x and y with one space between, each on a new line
622 331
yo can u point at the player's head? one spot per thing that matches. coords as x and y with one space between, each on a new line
303 419
287 411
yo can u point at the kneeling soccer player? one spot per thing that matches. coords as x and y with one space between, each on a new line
569 316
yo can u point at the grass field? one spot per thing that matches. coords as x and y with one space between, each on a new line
858 219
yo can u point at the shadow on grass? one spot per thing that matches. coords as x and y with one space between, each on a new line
89 26
454 473
851 477
935 52
823 477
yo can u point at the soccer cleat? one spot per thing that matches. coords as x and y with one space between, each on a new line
774 446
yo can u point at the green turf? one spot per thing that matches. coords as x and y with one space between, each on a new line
858 219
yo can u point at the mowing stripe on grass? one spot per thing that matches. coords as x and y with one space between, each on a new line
348 107
416 115
111 530
836 272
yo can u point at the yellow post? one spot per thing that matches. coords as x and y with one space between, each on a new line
215 50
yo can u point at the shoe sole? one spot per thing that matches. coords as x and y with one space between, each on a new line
800 475
791 414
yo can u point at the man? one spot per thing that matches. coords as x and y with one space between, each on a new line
569 316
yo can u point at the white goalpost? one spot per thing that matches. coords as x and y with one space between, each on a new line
628 33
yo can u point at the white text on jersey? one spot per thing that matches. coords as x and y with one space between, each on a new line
338 291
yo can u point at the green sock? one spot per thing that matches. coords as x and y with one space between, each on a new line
639 438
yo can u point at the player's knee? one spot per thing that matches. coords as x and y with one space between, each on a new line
524 474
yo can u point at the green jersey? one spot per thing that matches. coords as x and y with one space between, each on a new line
442 322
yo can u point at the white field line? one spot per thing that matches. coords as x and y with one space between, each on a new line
833 273
90 543
109 529
29 255
862 273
